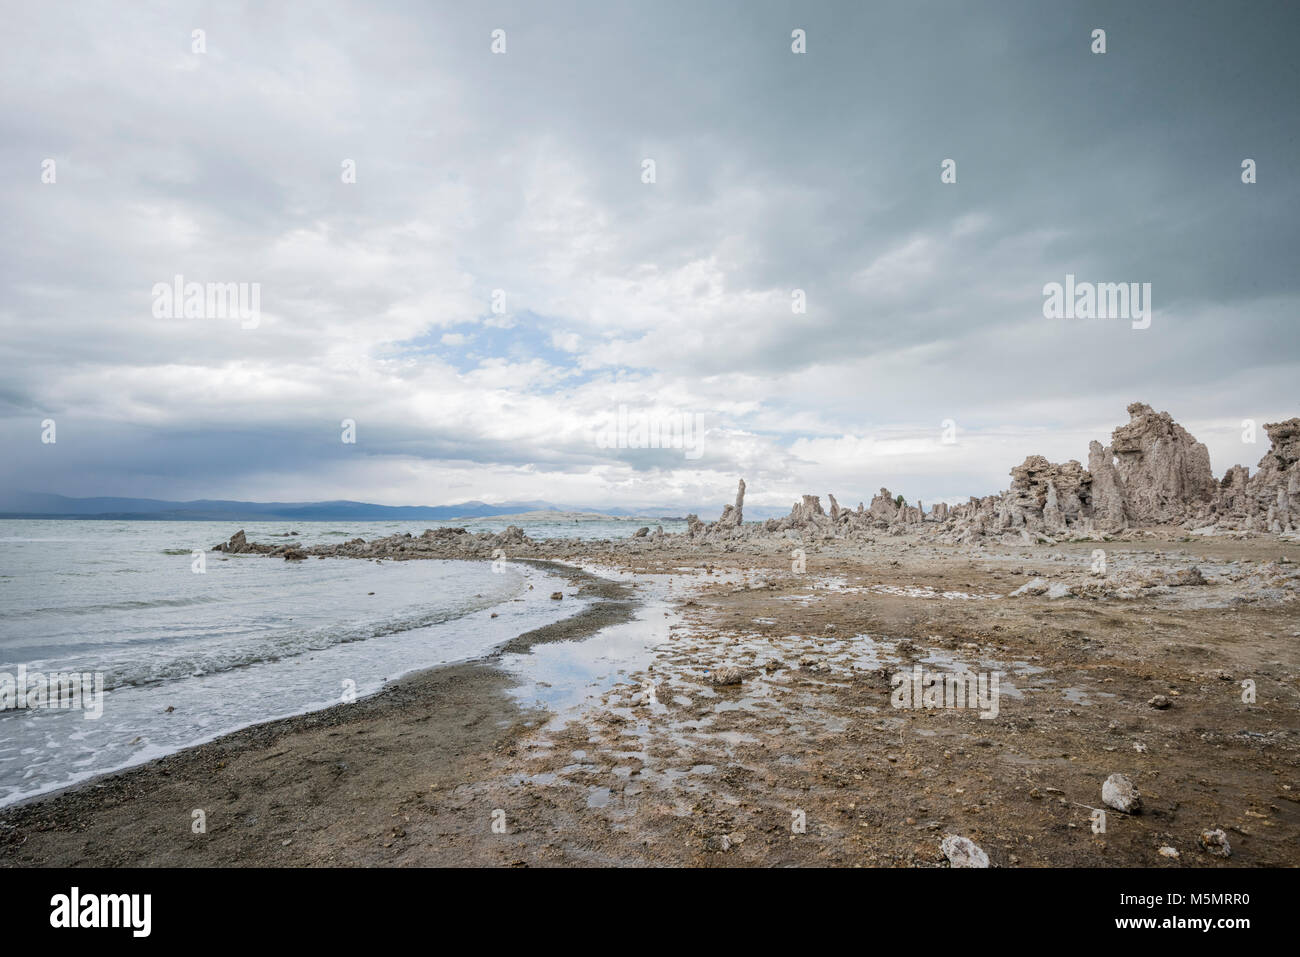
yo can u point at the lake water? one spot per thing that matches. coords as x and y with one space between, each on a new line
245 640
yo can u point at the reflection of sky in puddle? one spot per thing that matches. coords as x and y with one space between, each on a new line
564 675
905 591
1082 695
952 664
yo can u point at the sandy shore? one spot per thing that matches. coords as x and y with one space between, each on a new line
804 761
328 787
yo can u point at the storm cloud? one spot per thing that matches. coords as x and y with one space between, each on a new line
500 278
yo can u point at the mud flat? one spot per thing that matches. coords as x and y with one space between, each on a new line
742 713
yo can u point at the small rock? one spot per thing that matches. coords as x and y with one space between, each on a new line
1169 852
1187 576
556 596
1159 702
963 852
1215 843
728 676
1118 792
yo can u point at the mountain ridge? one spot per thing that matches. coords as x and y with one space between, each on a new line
37 505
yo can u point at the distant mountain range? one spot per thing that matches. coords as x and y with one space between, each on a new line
39 505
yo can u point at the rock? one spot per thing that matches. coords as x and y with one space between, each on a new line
294 555
1045 497
806 514
883 508
734 515
963 852
1053 519
556 595
513 535
1273 493
1215 843
1164 471
1186 576
641 532
728 676
1031 588
1169 852
238 543
1118 792
1234 505
1108 510
1160 702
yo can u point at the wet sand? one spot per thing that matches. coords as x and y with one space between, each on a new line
805 761
331 787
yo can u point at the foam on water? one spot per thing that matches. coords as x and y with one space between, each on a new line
248 640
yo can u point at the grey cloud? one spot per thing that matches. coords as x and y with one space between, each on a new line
478 172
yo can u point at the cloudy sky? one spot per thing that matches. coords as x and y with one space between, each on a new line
524 172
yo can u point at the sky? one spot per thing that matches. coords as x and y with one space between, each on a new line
504 274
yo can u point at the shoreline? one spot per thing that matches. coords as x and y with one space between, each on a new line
514 623
477 688
709 771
